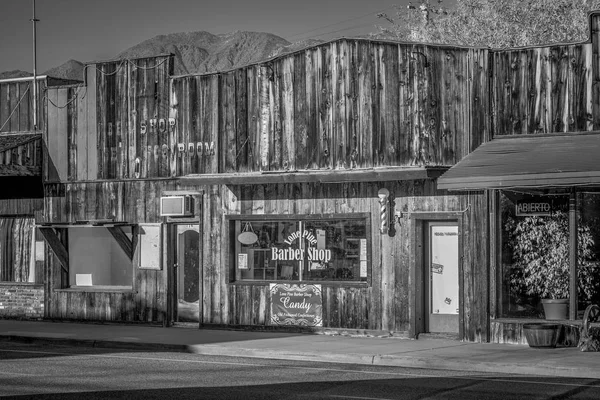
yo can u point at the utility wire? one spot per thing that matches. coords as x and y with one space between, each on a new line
337 23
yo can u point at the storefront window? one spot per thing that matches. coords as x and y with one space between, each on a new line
535 252
301 249
96 259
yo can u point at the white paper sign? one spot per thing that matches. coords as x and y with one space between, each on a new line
363 269
363 250
242 261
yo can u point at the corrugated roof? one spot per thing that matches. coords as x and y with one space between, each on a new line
530 161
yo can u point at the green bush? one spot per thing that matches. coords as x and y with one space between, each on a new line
540 251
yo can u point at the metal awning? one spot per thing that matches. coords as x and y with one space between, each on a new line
320 176
531 161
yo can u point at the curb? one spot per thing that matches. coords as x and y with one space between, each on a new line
104 344
437 363
401 361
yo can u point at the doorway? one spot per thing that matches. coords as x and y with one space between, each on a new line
185 287
441 277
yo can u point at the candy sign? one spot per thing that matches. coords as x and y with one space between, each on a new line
296 304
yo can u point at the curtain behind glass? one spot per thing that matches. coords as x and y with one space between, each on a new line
15 248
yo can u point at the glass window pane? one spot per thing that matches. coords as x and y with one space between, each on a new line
96 259
301 250
535 252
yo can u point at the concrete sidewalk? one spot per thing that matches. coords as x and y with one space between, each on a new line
424 353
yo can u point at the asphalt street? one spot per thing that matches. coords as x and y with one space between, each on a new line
37 371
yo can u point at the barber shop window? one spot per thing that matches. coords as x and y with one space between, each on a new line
96 258
301 248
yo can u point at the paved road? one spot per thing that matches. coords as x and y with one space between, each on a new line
34 371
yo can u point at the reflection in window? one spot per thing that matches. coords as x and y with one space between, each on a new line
301 250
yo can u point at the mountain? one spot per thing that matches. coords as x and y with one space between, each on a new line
17 73
202 52
71 70
194 52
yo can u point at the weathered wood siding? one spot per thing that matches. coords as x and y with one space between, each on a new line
16 106
547 89
132 201
341 105
382 305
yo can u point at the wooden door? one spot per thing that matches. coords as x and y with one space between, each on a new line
184 250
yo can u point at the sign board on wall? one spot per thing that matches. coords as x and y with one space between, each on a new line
150 246
296 304
535 206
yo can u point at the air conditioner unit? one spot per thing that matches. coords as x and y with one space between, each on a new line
176 206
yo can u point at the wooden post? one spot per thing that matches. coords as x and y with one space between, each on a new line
573 254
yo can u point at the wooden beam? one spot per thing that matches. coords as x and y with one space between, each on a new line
122 239
573 295
59 249
314 176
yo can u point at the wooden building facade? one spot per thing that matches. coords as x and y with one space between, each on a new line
345 140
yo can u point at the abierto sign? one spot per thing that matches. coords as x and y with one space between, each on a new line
538 206
296 304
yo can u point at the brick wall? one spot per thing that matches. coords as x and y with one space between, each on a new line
21 301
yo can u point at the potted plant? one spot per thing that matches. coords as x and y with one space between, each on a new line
540 250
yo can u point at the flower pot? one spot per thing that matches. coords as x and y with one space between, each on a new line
541 335
556 308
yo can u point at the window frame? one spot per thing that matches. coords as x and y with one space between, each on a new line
230 254
105 288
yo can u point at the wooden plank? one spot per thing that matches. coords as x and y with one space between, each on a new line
241 113
175 114
277 141
4 107
15 95
57 246
264 136
228 124
162 111
51 142
71 133
338 137
91 127
351 84
123 240
81 136
26 98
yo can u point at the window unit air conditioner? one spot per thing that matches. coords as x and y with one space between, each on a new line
176 206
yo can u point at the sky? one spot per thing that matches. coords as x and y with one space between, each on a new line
91 30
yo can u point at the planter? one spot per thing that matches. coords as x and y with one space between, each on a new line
556 308
541 335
